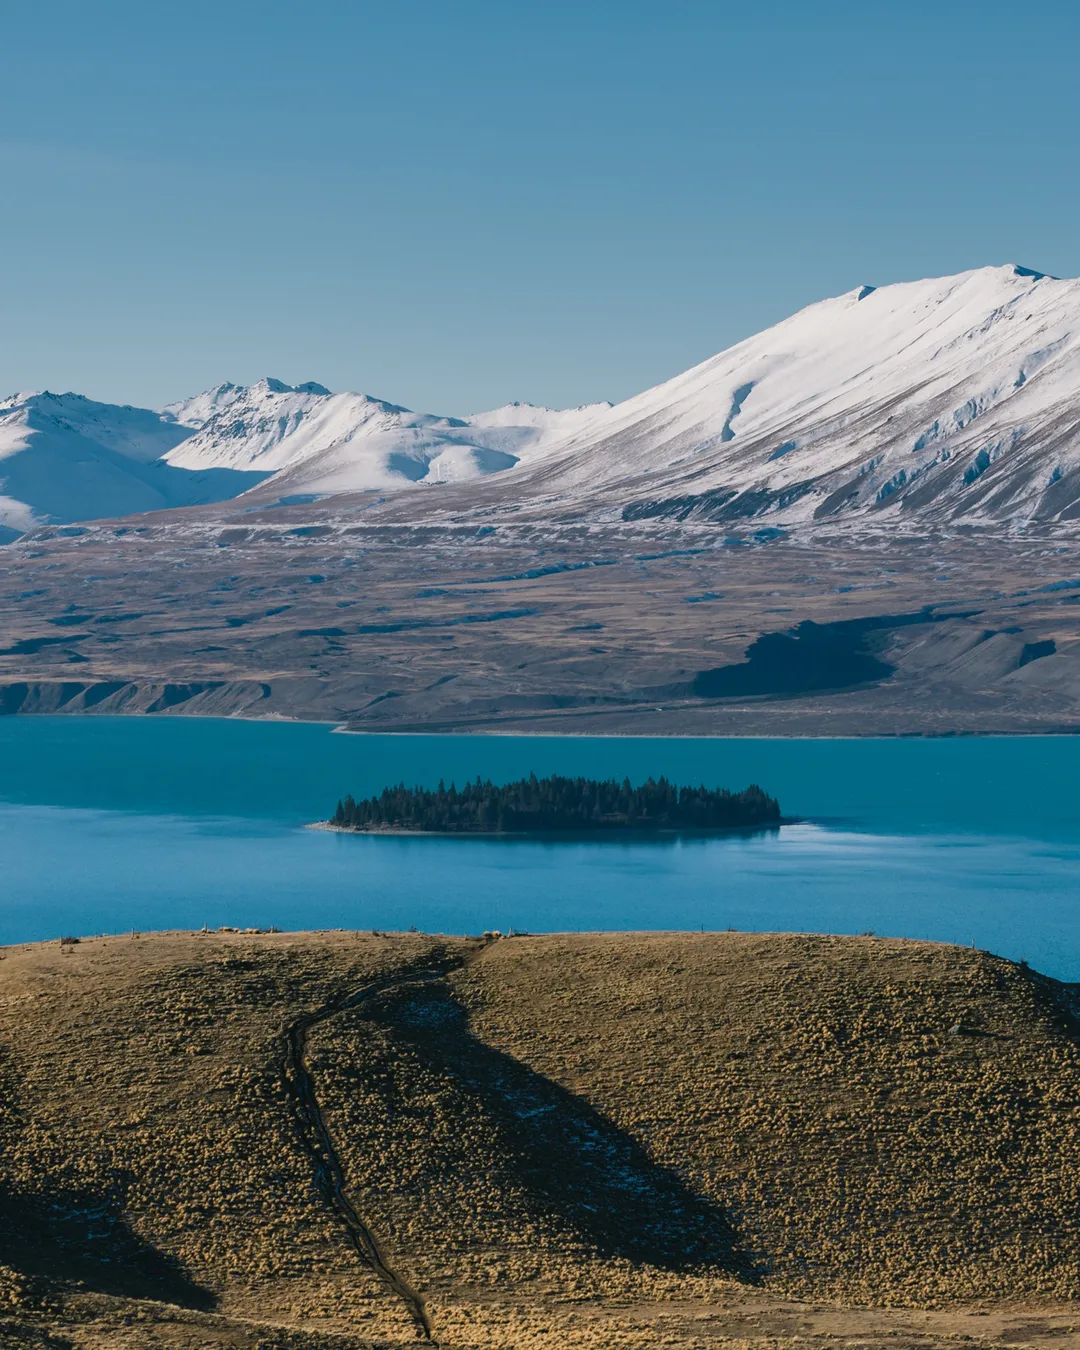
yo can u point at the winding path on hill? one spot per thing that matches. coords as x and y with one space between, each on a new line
319 1145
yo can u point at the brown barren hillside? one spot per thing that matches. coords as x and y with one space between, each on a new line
353 1140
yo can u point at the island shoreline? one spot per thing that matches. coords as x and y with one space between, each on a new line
616 832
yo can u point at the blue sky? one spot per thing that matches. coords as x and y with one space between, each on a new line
451 205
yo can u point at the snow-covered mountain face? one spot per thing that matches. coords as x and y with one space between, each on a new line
320 443
954 399
64 458
941 400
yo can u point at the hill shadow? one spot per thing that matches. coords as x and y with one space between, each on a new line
53 1234
572 1162
83 1236
812 658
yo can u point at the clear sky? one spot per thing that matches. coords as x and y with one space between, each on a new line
455 203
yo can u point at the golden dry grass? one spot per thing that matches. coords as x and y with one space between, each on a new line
620 1140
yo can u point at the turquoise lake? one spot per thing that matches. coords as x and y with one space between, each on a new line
112 823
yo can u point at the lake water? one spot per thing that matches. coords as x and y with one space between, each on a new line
112 823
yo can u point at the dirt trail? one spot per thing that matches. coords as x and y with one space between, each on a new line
316 1138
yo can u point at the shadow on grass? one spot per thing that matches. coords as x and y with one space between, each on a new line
568 1161
83 1237
56 1235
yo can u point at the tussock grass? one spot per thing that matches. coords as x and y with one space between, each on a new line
590 1140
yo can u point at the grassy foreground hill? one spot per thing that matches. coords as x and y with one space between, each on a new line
335 1140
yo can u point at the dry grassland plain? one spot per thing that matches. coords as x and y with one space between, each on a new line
628 1140
343 612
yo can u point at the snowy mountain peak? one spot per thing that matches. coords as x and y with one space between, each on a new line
136 433
196 412
532 414
65 457
279 387
318 443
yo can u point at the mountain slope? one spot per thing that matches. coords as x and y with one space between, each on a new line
64 457
950 398
750 1140
321 443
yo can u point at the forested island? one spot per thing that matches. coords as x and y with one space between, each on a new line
557 805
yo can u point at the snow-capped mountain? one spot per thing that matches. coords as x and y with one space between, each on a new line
326 442
64 457
321 443
196 412
952 398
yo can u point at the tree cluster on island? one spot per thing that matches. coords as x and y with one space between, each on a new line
557 805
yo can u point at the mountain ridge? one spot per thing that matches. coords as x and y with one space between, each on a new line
938 401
